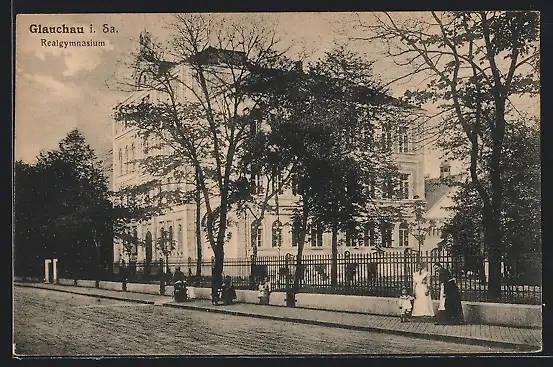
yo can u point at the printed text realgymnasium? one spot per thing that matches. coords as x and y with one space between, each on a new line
65 44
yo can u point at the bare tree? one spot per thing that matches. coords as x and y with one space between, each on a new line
202 119
474 66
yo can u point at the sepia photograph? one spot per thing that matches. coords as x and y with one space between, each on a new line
277 184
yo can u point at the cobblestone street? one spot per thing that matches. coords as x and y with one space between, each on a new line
62 324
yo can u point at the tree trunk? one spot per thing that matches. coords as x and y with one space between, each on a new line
198 233
334 264
217 275
494 224
299 271
98 266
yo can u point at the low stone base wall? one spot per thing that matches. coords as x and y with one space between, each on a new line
66 281
112 286
475 312
503 314
86 283
143 288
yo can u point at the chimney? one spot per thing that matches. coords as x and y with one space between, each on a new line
445 169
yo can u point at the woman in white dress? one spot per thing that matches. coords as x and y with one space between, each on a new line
422 306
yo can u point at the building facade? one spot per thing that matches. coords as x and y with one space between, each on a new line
275 234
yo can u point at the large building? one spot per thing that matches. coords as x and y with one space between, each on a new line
275 235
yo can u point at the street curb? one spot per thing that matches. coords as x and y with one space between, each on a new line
434 337
87 294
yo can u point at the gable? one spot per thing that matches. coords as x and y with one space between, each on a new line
438 210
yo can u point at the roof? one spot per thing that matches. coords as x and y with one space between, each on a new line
436 188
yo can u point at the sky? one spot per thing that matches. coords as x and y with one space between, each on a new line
60 89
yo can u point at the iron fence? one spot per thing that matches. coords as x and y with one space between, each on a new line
370 274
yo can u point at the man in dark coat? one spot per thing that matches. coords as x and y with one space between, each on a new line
453 312
178 276
228 290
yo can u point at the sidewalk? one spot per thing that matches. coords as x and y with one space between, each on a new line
490 335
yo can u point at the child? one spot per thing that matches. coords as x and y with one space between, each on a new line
264 291
405 305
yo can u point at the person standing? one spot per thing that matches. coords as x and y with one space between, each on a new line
422 305
264 291
405 305
450 310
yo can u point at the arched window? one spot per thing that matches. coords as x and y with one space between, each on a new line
127 159
161 240
120 161
179 238
257 234
276 234
404 234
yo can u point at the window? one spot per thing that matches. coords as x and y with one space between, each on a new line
316 237
133 165
386 137
135 242
179 238
258 184
403 186
161 239
388 187
276 234
295 233
366 135
403 140
146 145
404 234
386 234
170 243
277 181
127 159
351 235
369 237
120 162
372 186
257 234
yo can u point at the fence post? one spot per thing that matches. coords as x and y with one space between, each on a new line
161 279
123 272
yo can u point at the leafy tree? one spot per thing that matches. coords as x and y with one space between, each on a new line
520 227
70 215
420 225
475 65
324 124
28 248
